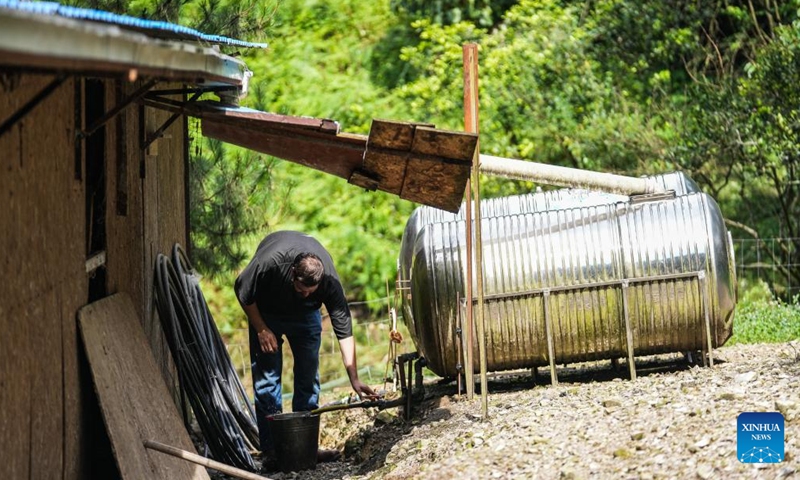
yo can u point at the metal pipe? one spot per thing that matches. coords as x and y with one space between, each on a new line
567 177
628 333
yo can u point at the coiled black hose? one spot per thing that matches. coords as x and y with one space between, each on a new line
205 372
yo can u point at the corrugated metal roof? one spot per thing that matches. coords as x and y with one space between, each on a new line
156 28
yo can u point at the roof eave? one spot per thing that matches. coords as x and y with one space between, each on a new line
63 44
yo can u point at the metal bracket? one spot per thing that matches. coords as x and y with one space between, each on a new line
628 331
548 330
160 131
139 93
32 103
652 197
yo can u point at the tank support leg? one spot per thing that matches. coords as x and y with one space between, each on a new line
549 331
628 332
701 275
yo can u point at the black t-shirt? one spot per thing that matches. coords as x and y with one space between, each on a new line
267 281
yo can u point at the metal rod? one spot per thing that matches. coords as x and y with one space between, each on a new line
583 286
460 334
702 276
403 386
548 329
567 177
179 91
158 133
200 460
410 390
628 332
32 103
139 93
470 55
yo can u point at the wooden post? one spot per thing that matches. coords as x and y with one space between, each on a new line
470 60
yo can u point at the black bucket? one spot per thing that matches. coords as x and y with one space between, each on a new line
296 439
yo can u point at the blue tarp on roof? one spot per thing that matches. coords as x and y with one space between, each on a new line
158 28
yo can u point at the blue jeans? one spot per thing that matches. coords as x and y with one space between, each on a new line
304 332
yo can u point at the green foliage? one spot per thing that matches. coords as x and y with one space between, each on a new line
611 85
445 12
547 99
318 63
360 229
760 318
232 197
246 19
318 66
436 95
741 139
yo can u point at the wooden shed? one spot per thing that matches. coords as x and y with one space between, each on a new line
93 185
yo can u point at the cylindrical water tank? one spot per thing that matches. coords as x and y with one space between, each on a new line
581 261
560 199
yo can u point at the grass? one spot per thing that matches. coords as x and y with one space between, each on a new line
761 318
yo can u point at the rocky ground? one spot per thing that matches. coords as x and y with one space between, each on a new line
675 421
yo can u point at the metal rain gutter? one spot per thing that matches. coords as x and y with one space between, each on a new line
64 44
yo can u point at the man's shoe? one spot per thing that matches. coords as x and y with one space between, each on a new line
324 456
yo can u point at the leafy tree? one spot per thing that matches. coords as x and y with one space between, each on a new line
319 65
484 13
543 96
247 19
232 197
742 139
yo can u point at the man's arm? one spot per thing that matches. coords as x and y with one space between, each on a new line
348 347
267 339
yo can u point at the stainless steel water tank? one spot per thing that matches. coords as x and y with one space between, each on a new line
577 260
559 199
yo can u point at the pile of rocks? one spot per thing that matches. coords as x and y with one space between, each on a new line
674 421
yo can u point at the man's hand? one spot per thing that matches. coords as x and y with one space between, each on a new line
363 390
267 340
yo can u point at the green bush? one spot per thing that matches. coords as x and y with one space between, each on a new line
760 318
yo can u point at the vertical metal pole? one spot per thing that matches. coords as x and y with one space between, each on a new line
470 59
702 276
469 348
548 330
459 340
628 331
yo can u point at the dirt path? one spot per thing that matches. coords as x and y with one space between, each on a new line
674 421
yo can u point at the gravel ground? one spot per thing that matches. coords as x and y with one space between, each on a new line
674 421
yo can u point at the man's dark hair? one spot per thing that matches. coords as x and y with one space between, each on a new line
308 269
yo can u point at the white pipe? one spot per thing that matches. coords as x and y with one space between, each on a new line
567 177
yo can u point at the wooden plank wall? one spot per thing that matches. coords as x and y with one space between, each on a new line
44 284
43 240
154 219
